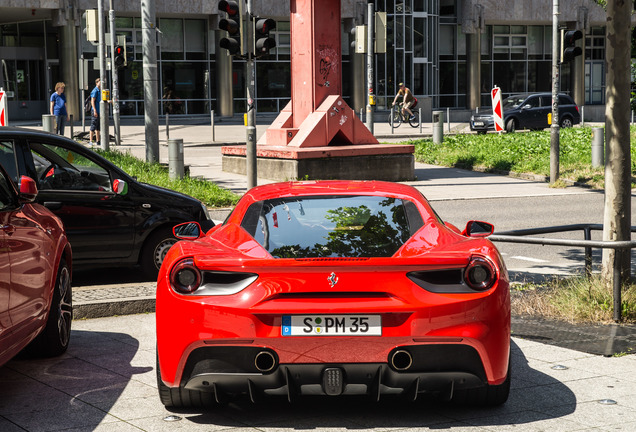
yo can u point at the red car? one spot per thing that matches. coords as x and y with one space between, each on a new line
333 288
35 274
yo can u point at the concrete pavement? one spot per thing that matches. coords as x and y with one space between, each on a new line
107 382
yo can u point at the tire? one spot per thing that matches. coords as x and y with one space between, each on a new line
55 336
154 251
511 126
397 119
416 121
486 396
566 122
180 397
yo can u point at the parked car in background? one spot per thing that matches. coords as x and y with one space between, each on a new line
110 218
35 274
527 111
333 288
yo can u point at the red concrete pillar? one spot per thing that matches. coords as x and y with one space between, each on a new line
316 69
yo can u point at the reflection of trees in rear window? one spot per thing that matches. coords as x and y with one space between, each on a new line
341 226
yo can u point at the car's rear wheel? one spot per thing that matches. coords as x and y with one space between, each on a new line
486 396
511 125
55 337
154 251
566 122
180 397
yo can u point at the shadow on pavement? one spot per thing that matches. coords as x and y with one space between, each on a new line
75 390
533 394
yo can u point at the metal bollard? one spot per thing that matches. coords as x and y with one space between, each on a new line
438 127
598 147
48 123
392 114
167 126
212 123
71 124
175 158
420 110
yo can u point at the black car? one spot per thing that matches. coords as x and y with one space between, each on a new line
110 218
527 111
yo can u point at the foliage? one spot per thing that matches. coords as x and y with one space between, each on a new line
157 174
525 152
574 299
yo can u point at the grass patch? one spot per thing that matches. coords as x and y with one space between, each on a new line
156 174
574 300
526 152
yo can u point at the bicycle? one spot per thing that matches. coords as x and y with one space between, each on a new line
398 117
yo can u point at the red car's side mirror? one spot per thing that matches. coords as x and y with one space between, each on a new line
478 229
28 190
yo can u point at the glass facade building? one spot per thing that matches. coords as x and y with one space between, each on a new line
426 49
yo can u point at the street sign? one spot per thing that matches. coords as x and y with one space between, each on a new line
4 116
497 112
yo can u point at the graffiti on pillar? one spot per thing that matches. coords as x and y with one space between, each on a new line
327 64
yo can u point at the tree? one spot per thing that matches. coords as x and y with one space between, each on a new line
617 215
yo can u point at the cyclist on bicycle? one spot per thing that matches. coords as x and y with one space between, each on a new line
407 100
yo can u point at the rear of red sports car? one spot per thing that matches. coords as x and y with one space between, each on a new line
333 288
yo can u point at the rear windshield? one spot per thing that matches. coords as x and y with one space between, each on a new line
334 226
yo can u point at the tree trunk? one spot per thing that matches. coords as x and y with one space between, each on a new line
617 217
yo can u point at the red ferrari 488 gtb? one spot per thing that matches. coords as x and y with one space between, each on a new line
333 288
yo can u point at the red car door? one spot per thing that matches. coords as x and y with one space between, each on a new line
5 269
29 255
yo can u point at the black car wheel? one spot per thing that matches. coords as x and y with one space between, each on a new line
55 337
511 125
154 251
566 122
180 397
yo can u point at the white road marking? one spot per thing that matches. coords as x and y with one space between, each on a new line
534 260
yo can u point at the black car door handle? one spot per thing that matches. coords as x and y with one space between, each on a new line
52 205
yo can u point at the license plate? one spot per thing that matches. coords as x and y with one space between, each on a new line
331 325
478 123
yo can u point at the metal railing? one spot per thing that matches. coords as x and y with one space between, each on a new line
517 236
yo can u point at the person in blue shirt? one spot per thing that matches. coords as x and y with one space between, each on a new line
58 107
95 97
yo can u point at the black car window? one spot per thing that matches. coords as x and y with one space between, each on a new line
565 100
6 196
7 159
60 168
330 226
513 102
534 102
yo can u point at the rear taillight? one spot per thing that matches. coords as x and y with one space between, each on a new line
480 274
185 277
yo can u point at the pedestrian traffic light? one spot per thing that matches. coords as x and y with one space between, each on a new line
233 25
263 42
569 50
119 57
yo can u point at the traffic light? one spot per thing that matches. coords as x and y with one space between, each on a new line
119 57
569 50
233 25
263 42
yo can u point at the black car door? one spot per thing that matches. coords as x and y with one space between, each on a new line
78 189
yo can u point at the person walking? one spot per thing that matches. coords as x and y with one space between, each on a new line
58 108
94 130
407 100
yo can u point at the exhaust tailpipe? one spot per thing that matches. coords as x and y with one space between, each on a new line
265 361
401 360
